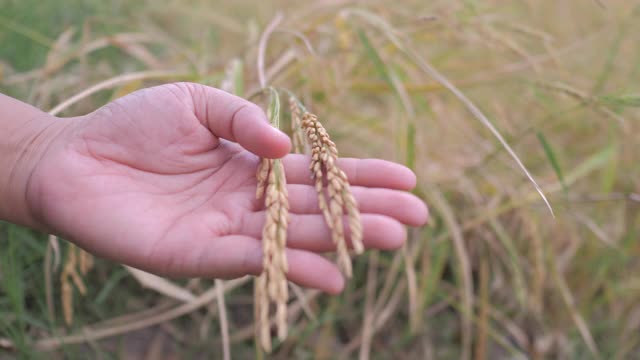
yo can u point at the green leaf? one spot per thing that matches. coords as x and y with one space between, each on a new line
274 108
411 146
375 58
610 172
238 77
109 285
627 100
551 155
595 161
609 65
387 73
13 284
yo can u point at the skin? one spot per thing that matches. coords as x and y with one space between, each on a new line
164 180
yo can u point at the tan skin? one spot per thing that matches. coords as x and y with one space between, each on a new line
164 180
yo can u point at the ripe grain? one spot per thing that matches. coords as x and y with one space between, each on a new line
334 199
271 285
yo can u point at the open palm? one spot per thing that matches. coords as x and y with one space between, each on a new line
164 180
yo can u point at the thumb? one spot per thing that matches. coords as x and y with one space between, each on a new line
236 119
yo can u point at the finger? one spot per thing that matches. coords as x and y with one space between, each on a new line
399 205
361 172
236 255
312 270
310 232
236 119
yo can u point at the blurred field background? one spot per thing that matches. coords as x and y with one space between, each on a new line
493 276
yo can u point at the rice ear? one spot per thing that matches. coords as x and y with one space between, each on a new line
77 259
297 133
334 199
338 200
271 286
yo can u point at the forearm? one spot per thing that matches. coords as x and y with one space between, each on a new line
25 133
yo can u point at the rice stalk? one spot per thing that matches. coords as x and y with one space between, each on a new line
224 324
369 307
483 312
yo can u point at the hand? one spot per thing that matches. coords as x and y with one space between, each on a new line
164 180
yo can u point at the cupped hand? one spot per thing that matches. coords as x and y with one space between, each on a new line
164 180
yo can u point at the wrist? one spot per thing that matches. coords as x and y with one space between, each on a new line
21 151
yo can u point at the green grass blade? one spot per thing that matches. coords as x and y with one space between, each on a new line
627 100
386 73
273 112
374 57
553 159
609 65
595 161
411 146
26 31
13 286
238 77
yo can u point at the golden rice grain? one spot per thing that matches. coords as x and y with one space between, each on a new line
297 133
338 201
334 199
76 259
66 300
271 285
262 176
85 262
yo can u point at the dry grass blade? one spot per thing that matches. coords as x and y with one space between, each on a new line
224 324
293 312
262 47
339 200
369 314
53 249
464 273
88 334
305 40
61 59
412 285
425 66
304 301
382 316
483 316
161 285
115 81
485 121
573 309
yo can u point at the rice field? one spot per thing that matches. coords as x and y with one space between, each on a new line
519 118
